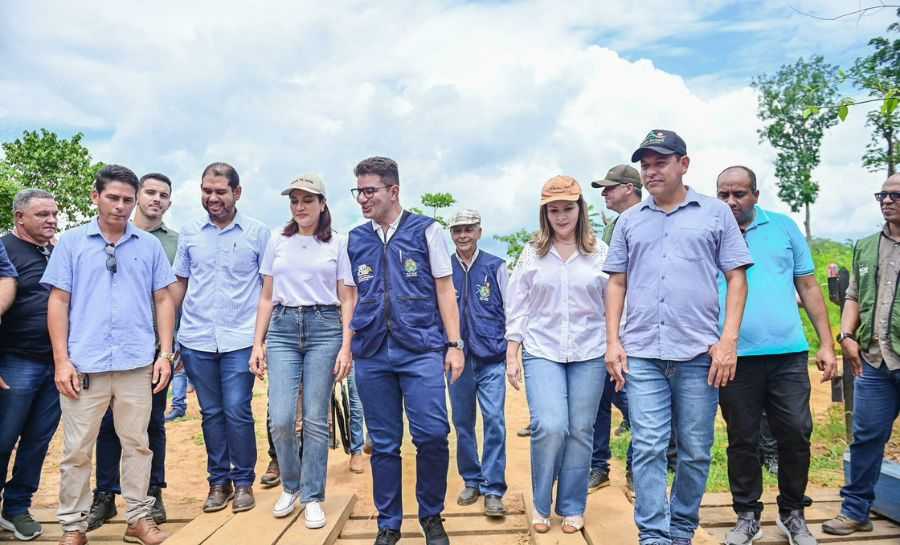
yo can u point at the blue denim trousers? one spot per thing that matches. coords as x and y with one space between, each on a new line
29 415
180 385
661 392
484 382
301 346
563 399
392 380
224 386
357 420
601 453
876 398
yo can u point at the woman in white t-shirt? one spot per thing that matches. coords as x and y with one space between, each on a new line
303 338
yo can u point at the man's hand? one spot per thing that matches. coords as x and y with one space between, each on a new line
258 364
724 362
514 365
66 378
162 372
826 362
617 364
343 364
3 384
851 354
454 363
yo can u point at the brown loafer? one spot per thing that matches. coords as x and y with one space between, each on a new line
73 538
218 497
272 476
145 531
243 499
356 463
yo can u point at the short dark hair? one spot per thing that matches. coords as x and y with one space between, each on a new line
380 166
223 169
156 176
750 174
115 173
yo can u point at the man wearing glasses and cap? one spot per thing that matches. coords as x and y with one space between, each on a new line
480 281
105 277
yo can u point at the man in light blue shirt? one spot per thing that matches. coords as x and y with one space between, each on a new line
217 265
105 277
772 376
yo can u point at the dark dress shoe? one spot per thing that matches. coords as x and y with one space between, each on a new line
433 528
158 509
243 499
493 506
386 536
468 496
103 508
219 495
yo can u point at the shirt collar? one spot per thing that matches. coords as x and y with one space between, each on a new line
236 222
392 227
463 262
692 197
93 229
759 218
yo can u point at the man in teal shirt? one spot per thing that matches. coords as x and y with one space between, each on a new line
772 371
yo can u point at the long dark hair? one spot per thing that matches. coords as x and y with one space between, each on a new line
323 229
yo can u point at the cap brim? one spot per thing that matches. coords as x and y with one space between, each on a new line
636 156
605 183
306 189
559 198
459 223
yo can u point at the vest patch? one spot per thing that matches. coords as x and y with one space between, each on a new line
484 290
411 268
364 273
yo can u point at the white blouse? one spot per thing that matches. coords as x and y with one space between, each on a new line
556 308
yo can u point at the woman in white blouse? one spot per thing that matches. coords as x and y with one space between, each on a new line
555 319
303 338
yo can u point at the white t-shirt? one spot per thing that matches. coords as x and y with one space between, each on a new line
304 270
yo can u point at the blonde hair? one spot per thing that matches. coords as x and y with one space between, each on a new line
585 239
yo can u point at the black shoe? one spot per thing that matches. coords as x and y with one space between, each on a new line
158 510
433 528
103 508
386 536
599 479
493 506
468 496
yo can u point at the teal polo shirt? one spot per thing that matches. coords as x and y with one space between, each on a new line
771 322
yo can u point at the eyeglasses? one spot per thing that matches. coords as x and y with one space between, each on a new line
110 250
367 192
894 195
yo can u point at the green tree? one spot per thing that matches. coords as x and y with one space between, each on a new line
436 201
42 160
8 190
797 104
515 243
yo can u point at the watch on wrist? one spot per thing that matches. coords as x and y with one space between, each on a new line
456 344
844 335
168 356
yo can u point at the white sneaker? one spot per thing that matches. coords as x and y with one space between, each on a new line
315 516
285 504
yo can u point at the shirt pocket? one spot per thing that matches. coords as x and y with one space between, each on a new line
693 243
244 259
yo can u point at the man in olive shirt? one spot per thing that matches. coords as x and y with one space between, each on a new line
870 340
153 200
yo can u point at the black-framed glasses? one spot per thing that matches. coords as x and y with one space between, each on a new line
110 250
367 192
894 195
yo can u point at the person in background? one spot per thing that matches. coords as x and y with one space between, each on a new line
29 401
555 322
357 427
181 387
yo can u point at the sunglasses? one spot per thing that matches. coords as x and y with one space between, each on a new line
110 258
894 195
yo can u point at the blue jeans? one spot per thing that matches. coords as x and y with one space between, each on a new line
357 421
180 385
29 414
601 454
563 399
876 396
487 382
660 392
109 449
224 388
389 381
302 346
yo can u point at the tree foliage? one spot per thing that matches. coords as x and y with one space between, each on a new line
436 201
797 104
515 243
42 160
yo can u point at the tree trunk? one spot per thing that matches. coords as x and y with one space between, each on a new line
806 224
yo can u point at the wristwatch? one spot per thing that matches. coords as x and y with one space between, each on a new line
456 344
168 356
843 335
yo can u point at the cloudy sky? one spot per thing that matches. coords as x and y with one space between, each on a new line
485 100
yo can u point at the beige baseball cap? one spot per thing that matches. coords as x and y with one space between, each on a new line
560 188
466 216
307 182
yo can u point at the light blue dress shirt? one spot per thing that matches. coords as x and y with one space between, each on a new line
672 260
110 314
771 322
222 267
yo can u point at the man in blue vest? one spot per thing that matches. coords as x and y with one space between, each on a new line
405 314
480 281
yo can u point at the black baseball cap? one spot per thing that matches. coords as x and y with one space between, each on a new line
661 141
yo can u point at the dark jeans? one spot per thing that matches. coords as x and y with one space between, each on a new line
29 415
778 384
876 397
109 450
601 453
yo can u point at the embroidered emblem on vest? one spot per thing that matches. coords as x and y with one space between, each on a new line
412 270
364 273
484 291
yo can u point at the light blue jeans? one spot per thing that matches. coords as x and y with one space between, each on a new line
563 400
658 392
180 383
302 346
357 420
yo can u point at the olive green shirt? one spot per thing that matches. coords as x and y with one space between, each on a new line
169 239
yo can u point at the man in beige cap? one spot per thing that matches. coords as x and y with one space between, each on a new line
622 190
480 282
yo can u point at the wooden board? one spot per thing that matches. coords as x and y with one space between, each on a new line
199 529
513 501
609 518
108 533
337 510
555 536
884 532
256 526
711 517
511 539
174 513
723 499
455 526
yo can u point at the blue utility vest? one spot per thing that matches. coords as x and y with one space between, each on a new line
481 316
397 294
